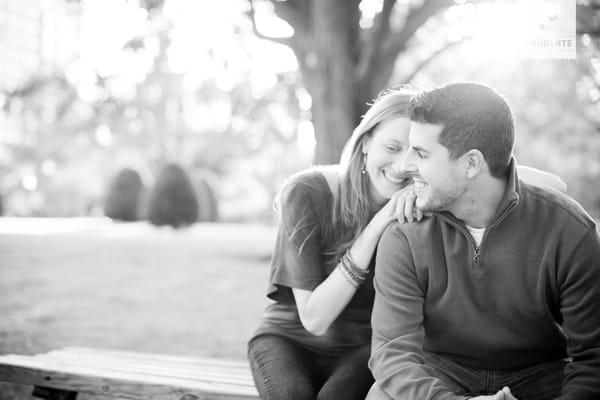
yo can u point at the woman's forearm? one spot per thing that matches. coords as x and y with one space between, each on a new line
320 307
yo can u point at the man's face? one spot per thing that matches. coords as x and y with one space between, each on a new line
439 181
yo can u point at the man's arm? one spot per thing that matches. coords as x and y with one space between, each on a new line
579 286
396 355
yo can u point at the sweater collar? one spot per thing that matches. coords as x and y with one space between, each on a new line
510 197
512 189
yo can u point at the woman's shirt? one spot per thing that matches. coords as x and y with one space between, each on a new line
303 258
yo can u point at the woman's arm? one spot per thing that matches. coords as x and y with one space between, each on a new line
318 308
541 178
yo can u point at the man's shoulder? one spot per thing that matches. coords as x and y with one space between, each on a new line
556 204
413 231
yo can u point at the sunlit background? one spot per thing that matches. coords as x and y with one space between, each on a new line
92 87
123 119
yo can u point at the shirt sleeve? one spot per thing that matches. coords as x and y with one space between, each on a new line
397 359
298 262
579 281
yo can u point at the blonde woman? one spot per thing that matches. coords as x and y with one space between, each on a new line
313 341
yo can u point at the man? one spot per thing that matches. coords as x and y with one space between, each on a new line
497 295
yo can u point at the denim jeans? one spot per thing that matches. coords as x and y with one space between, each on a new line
285 370
539 382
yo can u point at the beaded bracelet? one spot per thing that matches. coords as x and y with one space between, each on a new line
348 270
362 273
348 278
354 275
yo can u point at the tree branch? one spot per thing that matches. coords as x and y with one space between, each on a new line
371 48
434 55
252 15
588 20
295 12
416 18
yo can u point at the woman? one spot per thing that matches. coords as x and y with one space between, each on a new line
314 340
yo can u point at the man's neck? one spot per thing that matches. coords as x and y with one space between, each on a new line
479 204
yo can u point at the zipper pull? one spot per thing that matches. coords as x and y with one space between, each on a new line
476 258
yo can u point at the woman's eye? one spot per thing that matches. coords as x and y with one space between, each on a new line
395 149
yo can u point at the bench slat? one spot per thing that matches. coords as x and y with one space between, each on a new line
236 368
131 375
81 351
204 374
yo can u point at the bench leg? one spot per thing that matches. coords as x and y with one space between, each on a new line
53 394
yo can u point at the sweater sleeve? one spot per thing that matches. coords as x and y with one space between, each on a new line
579 281
397 359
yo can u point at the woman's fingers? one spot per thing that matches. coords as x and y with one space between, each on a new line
399 208
409 206
418 213
403 201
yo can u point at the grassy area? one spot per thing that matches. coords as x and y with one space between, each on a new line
197 292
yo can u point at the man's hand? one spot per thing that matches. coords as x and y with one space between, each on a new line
503 394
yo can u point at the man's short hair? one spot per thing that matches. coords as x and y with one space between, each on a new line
474 116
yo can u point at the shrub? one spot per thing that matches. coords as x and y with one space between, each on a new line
208 207
123 196
173 200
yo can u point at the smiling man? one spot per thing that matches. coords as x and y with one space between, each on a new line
496 296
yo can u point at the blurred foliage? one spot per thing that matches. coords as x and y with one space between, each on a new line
204 183
173 199
64 139
123 198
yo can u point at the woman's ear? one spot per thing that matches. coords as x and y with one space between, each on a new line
364 145
475 163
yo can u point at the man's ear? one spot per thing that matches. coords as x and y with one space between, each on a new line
475 163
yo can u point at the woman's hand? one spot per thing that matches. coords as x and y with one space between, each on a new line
400 206
406 209
404 206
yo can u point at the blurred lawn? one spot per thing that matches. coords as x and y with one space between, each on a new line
91 282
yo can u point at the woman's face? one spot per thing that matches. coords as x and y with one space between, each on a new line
385 150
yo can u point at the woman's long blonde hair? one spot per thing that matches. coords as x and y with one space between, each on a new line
354 208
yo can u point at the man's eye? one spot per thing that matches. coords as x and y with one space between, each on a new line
395 149
420 155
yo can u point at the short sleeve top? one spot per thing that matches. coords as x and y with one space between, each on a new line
303 258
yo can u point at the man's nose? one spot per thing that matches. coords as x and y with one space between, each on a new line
406 162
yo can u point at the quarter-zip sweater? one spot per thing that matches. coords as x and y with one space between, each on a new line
530 293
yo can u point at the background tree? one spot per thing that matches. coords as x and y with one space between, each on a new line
124 194
347 56
173 199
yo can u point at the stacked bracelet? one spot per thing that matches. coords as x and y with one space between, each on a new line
354 275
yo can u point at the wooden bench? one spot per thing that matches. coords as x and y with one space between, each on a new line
61 374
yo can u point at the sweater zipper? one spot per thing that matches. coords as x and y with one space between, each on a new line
477 249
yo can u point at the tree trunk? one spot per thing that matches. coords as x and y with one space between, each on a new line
329 73
342 65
